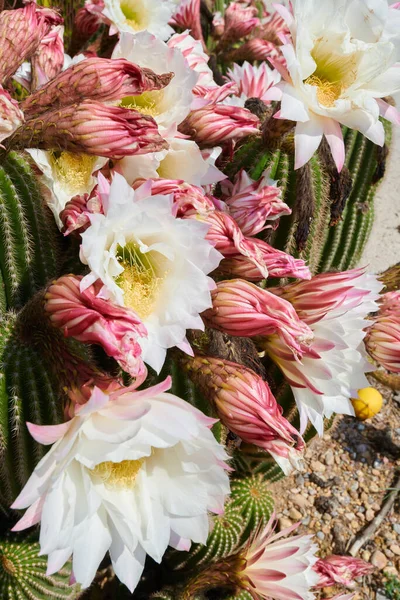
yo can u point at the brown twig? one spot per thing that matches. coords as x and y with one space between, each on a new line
365 534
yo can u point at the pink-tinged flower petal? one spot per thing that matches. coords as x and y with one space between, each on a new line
31 517
308 136
284 13
278 569
97 401
389 112
187 16
47 434
334 137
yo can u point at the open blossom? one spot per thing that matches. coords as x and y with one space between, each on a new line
335 306
134 16
152 262
170 105
215 124
342 61
21 31
182 159
131 473
255 81
11 116
243 309
91 319
273 567
251 203
100 79
245 404
48 59
91 128
383 336
340 570
66 174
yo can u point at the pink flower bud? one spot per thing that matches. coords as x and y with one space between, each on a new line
277 263
189 200
218 25
91 128
240 20
88 318
76 214
247 407
48 59
21 32
243 309
251 203
100 79
226 236
188 17
86 22
256 49
218 123
11 117
215 93
383 336
340 570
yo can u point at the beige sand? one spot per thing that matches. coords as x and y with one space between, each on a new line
383 248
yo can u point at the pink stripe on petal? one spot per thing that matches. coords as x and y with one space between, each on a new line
47 434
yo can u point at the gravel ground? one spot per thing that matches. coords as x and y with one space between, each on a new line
347 476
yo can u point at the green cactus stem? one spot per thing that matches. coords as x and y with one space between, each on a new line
23 573
29 238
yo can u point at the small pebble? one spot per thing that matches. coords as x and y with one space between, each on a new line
320 535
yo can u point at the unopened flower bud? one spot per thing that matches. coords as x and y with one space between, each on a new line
88 318
246 405
91 128
243 309
218 123
21 32
75 217
100 79
48 59
383 336
240 20
187 16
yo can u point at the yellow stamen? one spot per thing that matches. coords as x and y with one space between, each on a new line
140 280
134 18
120 475
73 170
327 91
147 103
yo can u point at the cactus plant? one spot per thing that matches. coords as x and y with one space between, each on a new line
23 573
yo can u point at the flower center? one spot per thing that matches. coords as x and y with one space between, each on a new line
120 475
334 72
134 14
73 170
327 91
140 280
147 103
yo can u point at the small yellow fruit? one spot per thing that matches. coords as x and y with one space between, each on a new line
368 403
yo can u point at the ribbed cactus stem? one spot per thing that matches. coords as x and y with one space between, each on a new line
28 241
225 537
23 574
